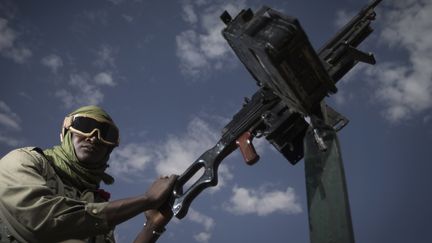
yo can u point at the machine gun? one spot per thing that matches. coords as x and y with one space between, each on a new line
293 80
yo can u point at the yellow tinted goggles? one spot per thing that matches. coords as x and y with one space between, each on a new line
87 125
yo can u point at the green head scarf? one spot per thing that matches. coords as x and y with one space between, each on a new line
79 174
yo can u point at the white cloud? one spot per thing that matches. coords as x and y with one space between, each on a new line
8 45
203 237
130 160
105 57
18 54
9 123
204 220
263 202
7 35
128 18
405 89
104 78
11 141
9 119
178 152
54 62
193 61
201 219
202 48
81 91
189 14
83 88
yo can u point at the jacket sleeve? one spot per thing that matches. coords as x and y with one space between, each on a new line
33 208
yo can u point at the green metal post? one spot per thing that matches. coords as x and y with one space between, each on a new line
328 206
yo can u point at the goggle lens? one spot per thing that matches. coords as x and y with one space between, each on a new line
87 125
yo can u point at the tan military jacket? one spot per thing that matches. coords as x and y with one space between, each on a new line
36 206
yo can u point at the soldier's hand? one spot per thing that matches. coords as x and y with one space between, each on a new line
160 190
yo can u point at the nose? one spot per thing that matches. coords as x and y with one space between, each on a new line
93 138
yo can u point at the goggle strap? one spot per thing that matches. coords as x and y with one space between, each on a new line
67 122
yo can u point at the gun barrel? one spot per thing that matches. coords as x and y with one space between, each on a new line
364 12
374 4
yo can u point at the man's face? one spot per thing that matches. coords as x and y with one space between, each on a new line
89 149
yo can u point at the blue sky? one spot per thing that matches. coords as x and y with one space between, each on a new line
170 81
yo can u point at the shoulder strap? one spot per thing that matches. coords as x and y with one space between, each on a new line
39 150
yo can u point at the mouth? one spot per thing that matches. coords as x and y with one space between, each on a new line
89 148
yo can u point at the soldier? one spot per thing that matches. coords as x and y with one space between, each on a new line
53 195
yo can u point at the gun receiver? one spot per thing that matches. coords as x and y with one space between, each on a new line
246 121
293 81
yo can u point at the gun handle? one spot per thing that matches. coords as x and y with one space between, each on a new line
244 142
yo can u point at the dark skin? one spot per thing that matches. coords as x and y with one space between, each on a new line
153 202
156 221
89 149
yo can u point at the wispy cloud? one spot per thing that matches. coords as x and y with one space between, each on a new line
201 48
115 2
84 90
130 161
203 220
99 16
263 201
53 62
8 44
179 151
10 125
405 88
105 57
9 119
128 18
11 141
189 15
104 78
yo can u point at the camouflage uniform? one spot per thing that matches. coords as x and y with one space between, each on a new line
36 206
